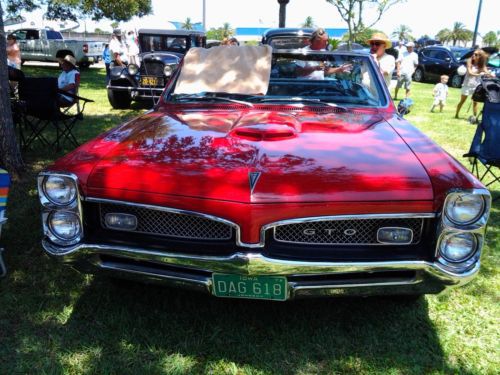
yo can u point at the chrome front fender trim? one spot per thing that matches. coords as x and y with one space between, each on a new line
255 263
264 228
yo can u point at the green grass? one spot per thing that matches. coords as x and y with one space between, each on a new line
54 320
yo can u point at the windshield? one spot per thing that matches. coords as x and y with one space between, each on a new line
459 52
494 60
154 43
289 42
346 80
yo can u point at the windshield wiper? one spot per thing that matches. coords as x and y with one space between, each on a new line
208 97
302 100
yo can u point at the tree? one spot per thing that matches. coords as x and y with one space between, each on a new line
187 25
490 39
309 22
362 36
352 12
444 35
221 32
282 14
114 25
403 33
458 34
122 10
227 31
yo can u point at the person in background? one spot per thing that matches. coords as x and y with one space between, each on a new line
68 80
233 42
378 44
405 67
106 57
476 67
318 69
440 94
118 49
13 52
132 48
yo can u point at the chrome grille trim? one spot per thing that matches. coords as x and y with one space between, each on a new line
266 227
365 231
169 222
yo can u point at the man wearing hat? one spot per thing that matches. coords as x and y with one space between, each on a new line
378 44
405 67
68 80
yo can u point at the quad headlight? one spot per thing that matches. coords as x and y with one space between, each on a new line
65 225
132 69
59 190
464 208
458 247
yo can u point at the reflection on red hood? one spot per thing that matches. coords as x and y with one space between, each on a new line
301 157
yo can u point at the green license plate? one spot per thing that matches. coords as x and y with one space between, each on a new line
256 287
150 81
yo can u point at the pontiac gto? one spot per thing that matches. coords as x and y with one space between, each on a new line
268 175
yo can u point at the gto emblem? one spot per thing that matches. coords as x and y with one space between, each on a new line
329 232
253 177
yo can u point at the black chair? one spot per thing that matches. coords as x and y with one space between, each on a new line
40 108
485 148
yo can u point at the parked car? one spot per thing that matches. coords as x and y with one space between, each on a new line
435 61
4 189
160 54
287 37
49 45
284 188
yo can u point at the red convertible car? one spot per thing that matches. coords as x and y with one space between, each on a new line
268 175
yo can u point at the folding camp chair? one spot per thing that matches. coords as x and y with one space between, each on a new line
40 98
484 148
4 189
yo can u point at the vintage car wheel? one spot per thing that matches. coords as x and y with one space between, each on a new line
418 76
456 81
119 99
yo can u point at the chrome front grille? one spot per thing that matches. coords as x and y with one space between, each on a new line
171 223
344 232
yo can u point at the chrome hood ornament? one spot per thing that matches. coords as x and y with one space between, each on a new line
253 177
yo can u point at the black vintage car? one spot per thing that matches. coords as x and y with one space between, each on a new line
160 54
287 38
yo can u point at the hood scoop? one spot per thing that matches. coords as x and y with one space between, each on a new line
265 132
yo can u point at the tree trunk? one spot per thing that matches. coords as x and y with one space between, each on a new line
10 155
283 4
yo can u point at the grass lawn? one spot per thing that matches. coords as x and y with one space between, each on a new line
54 320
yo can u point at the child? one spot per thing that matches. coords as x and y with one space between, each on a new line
440 93
106 56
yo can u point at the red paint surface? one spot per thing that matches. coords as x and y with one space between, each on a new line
311 164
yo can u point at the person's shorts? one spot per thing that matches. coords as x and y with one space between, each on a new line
404 79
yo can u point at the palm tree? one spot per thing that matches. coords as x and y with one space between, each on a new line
403 33
309 22
227 31
188 25
460 33
444 35
490 39
283 4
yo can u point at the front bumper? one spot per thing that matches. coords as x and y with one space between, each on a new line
305 278
138 93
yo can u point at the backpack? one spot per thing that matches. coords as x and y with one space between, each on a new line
487 91
404 106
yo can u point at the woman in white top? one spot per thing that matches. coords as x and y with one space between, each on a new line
476 67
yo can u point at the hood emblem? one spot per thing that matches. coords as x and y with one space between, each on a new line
253 177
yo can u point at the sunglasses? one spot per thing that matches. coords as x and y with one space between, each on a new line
376 43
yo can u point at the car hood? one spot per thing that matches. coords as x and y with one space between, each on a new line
262 156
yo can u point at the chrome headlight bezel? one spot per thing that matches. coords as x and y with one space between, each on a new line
453 198
471 252
48 198
132 69
479 220
168 70
56 236
49 207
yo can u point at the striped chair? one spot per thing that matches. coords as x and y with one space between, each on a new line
4 190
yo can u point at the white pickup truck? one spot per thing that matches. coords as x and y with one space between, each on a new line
49 45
